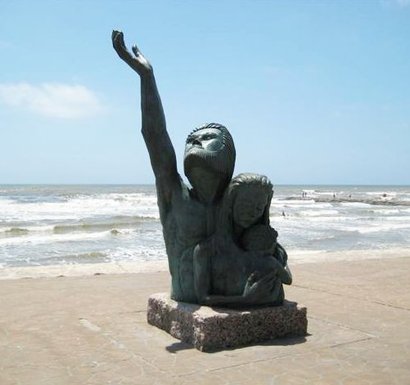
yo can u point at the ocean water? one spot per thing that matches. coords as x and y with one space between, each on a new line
54 225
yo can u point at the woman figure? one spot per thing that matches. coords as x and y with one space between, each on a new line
242 264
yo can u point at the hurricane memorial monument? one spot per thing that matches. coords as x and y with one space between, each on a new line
227 267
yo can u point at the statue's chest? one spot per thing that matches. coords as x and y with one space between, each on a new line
191 222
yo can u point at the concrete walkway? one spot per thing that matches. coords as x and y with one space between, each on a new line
93 330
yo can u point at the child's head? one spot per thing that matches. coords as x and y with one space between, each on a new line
259 238
251 196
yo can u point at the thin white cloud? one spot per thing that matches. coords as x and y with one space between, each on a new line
396 3
403 3
5 44
51 99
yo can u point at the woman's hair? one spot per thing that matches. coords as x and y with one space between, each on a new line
238 184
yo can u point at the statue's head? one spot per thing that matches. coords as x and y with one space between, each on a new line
259 238
250 196
210 147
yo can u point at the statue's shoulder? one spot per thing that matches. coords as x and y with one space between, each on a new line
186 191
173 197
183 193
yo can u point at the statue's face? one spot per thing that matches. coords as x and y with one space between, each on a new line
207 139
249 206
207 153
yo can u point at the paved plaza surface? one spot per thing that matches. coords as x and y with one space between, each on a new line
92 330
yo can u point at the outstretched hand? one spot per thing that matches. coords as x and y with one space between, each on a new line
259 288
137 61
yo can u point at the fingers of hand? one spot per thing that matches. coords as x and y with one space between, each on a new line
118 41
267 281
114 34
135 50
268 277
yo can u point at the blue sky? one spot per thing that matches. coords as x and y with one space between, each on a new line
314 92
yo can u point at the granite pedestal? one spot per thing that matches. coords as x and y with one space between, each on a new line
211 329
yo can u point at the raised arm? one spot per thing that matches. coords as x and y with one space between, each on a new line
161 151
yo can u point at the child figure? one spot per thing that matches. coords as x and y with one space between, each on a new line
259 238
264 238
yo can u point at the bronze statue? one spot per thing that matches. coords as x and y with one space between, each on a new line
206 231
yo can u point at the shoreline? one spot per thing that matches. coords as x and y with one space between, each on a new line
296 257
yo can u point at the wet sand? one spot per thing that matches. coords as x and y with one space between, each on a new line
91 329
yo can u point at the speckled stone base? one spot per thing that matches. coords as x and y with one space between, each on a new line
210 329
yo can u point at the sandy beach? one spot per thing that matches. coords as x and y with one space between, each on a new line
89 327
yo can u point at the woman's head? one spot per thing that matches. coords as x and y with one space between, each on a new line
250 197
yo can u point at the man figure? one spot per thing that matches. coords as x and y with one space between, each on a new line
187 215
